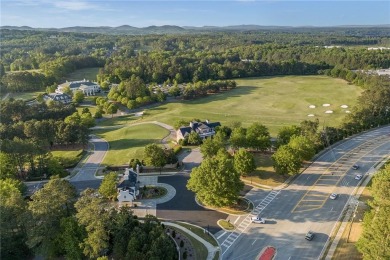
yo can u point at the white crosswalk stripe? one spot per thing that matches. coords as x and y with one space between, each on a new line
247 221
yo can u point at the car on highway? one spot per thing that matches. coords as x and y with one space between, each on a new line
309 235
358 177
258 220
355 166
333 196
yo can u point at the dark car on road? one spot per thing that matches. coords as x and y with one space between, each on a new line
309 235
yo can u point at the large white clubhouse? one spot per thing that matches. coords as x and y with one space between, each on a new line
89 88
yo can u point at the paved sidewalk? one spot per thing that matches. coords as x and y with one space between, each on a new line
210 248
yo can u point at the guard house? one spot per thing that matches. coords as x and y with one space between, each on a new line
128 188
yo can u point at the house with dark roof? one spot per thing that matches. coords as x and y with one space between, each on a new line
63 98
128 187
203 129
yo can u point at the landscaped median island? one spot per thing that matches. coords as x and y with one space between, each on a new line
152 192
226 225
241 207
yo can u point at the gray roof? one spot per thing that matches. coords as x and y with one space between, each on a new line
59 97
131 182
77 84
197 125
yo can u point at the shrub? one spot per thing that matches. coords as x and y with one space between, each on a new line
181 243
185 255
177 149
173 233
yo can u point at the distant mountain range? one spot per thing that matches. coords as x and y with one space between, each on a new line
172 29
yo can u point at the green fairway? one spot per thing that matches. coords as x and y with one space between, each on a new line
128 142
87 73
273 101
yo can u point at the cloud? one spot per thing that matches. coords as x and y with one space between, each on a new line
71 5
74 6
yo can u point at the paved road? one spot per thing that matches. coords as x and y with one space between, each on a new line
304 205
85 177
87 170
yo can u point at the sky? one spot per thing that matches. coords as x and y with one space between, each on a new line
67 13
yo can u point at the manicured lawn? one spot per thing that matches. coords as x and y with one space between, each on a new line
87 73
128 142
265 173
25 95
273 101
92 109
120 120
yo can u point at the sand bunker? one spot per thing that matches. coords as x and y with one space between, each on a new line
347 111
310 115
312 106
344 106
328 111
326 105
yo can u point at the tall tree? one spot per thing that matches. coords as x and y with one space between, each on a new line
108 187
285 134
93 216
72 235
155 155
286 160
258 137
303 147
215 181
238 137
244 162
210 147
47 207
12 222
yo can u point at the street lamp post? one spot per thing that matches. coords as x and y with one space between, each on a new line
353 217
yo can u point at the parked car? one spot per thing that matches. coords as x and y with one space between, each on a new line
258 220
355 166
309 235
358 177
333 196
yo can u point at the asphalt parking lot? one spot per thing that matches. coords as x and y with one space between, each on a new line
183 206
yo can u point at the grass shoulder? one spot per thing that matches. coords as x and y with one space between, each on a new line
200 232
346 248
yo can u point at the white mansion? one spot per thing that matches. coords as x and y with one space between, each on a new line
87 87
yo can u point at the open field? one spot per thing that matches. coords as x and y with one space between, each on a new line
128 142
87 73
273 101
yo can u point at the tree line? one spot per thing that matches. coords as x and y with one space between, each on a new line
56 222
28 132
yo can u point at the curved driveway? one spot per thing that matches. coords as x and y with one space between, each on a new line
304 204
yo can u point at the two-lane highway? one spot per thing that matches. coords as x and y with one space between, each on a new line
305 205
